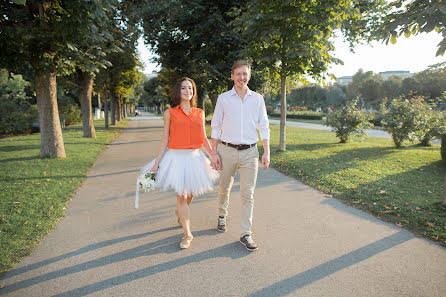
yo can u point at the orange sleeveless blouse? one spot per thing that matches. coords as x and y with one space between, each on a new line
186 131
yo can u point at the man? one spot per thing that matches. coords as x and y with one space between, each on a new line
238 114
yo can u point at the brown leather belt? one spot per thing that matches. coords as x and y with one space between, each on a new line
239 147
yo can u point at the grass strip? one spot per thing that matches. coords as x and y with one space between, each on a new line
403 186
34 192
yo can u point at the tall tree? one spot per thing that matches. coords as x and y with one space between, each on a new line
125 31
89 52
38 33
194 38
292 37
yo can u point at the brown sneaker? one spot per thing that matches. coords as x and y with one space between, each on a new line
185 242
249 243
221 226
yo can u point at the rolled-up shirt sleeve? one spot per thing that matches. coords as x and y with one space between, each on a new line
217 119
263 122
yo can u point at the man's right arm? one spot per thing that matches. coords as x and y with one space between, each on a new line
216 123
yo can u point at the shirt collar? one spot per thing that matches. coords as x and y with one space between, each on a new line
233 92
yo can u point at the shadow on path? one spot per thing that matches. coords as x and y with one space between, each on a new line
312 275
166 245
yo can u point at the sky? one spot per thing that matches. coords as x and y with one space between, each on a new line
412 54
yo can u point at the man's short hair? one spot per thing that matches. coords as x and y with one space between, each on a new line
239 63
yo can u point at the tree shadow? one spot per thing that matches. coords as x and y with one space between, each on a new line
81 251
300 280
166 245
20 159
17 148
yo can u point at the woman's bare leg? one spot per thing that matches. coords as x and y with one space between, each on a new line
189 199
183 213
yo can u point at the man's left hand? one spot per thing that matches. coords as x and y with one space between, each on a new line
265 161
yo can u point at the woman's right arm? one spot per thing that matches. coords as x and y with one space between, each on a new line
164 141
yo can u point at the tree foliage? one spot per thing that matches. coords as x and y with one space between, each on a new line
293 37
194 38
411 17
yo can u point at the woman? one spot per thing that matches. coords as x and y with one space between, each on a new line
180 165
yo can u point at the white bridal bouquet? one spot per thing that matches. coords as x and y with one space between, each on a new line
146 183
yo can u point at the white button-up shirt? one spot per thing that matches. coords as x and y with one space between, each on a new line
238 120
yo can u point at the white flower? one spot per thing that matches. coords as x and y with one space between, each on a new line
147 182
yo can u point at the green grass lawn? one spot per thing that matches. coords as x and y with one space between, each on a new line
34 192
402 186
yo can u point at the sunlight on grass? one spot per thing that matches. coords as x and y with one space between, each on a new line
34 191
403 186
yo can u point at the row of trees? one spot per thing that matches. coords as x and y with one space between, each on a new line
371 88
285 40
72 44
197 38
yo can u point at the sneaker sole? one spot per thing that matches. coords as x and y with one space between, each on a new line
251 250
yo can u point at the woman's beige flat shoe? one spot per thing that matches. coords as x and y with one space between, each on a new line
185 242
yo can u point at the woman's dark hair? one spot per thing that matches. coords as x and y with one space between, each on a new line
176 92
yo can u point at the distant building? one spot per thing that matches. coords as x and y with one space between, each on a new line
401 73
152 75
345 80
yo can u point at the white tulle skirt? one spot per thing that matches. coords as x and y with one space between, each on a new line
182 171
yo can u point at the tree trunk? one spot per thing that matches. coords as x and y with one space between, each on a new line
51 140
444 192
99 101
283 110
443 148
200 99
106 108
118 109
113 108
86 84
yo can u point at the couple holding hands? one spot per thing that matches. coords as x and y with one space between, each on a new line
181 166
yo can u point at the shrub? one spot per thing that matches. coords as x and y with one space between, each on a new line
16 111
14 121
349 121
434 125
269 109
70 112
208 107
412 119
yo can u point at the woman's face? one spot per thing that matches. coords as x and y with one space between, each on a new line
187 91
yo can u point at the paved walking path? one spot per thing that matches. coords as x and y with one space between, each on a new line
310 244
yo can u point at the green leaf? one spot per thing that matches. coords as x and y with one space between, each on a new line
393 39
72 47
22 2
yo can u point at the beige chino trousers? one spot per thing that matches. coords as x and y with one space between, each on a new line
246 162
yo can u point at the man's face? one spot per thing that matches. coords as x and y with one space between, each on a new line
241 76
